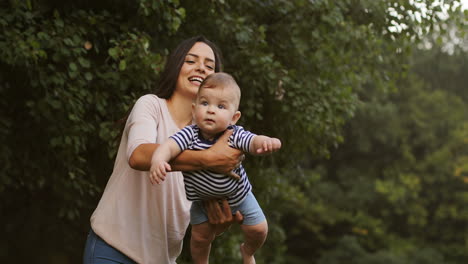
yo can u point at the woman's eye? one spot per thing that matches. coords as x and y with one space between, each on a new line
210 67
189 61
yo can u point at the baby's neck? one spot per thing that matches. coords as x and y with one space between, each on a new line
210 136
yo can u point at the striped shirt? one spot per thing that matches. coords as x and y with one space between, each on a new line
204 184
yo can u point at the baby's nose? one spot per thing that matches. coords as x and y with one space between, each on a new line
211 109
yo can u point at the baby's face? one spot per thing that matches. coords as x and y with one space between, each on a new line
215 109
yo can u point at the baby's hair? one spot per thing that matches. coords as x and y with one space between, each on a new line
223 80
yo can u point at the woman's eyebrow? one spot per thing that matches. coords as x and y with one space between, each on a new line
196 56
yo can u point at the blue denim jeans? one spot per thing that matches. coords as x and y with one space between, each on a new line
97 251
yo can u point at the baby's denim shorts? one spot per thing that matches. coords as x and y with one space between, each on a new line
249 208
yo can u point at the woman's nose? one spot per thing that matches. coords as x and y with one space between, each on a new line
201 67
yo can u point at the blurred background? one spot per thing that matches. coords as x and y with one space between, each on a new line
370 99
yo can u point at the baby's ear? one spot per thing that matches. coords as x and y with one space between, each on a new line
235 117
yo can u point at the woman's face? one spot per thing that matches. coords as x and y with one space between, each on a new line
199 63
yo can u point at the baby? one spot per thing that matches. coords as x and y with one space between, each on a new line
215 110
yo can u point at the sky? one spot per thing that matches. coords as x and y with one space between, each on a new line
464 4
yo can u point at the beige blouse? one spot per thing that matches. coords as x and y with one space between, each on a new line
145 222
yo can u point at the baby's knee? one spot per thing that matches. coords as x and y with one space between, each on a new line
259 231
262 231
202 237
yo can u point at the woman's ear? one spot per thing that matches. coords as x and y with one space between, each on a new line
235 117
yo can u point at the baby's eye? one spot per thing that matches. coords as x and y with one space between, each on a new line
221 106
204 103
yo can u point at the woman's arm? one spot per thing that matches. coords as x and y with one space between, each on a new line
141 156
220 158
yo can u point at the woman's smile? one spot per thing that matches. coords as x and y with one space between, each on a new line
197 80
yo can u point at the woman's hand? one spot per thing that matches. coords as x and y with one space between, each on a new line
221 158
220 214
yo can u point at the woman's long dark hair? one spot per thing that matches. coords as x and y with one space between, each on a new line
168 80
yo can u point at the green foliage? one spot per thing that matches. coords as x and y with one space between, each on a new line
330 78
400 176
349 250
67 80
165 15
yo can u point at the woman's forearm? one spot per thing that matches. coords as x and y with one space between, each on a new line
220 157
186 161
189 160
141 157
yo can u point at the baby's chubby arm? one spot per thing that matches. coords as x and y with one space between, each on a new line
160 160
264 145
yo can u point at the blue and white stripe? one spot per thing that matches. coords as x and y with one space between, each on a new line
204 184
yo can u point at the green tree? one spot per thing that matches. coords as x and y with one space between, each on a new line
400 174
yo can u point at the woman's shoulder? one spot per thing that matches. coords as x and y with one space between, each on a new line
150 98
149 104
151 101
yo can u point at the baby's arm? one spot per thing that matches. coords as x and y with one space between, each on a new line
159 162
264 145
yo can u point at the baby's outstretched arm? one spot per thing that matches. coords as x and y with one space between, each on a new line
264 145
160 160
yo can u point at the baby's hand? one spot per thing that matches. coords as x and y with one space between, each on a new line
158 171
269 145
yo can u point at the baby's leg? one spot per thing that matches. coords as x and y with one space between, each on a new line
255 236
200 244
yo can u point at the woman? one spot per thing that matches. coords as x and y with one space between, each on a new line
139 222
